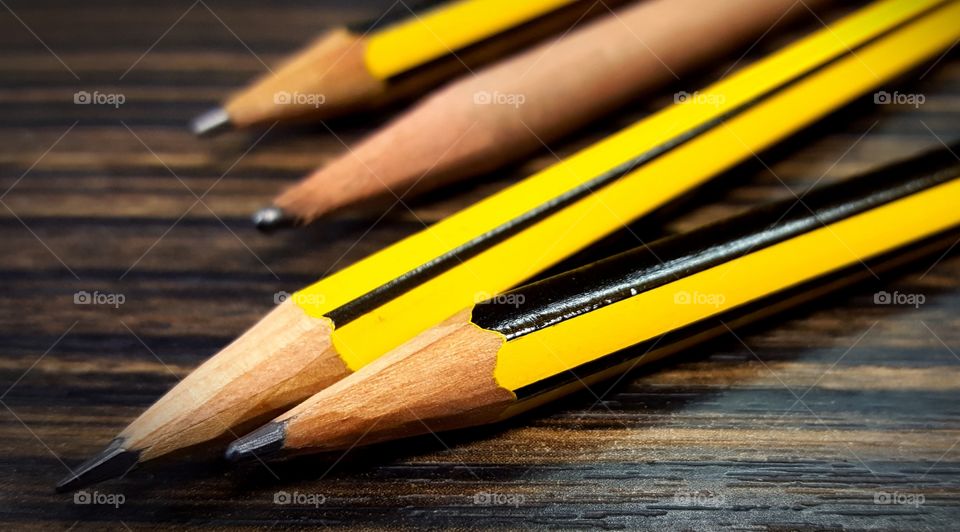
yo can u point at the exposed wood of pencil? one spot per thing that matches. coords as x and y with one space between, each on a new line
332 68
456 358
281 360
476 124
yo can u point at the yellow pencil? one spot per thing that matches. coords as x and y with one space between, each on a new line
354 68
535 343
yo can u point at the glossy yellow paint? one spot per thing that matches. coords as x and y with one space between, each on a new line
650 314
555 237
445 29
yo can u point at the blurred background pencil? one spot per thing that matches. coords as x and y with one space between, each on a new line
399 55
536 343
512 108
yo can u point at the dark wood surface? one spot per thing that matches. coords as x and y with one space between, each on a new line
799 423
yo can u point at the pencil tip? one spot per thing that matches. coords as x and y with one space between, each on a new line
114 461
210 123
264 441
270 219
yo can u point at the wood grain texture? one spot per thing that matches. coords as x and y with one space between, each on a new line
714 440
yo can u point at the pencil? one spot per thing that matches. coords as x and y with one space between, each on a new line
536 343
399 55
508 110
345 321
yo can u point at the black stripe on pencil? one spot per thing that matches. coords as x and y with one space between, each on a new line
645 268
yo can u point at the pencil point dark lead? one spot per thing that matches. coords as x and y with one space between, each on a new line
262 442
210 123
270 219
114 461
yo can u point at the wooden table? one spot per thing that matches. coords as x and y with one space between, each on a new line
807 421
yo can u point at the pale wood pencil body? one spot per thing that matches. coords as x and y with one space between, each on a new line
281 360
481 122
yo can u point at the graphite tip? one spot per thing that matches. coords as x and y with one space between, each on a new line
210 123
264 441
114 461
270 219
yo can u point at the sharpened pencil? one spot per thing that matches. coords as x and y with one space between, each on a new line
538 342
344 322
511 109
394 57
